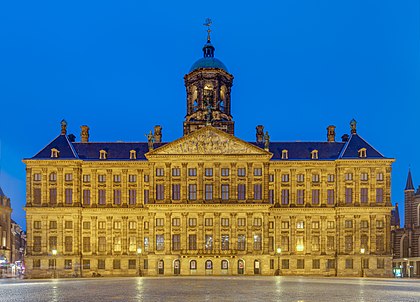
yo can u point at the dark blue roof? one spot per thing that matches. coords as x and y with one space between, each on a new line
409 185
62 144
1 192
208 63
354 144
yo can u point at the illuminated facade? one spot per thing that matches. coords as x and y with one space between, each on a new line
5 231
208 203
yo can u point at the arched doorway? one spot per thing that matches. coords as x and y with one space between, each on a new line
257 269
241 267
177 267
161 267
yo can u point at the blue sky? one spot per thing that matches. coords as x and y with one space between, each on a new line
118 67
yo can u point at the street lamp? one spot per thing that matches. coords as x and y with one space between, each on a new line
54 253
139 259
278 261
362 251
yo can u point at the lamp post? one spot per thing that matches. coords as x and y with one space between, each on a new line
278 261
362 252
139 259
54 253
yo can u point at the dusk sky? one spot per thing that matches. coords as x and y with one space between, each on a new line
118 67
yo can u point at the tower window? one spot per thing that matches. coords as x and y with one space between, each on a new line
55 153
102 154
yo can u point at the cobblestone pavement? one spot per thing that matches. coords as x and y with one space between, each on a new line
284 289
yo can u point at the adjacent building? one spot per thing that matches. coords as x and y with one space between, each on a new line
5 232
208 203
406 241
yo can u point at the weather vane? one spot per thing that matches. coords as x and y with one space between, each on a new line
208 23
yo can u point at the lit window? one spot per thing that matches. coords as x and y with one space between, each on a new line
364 176
314 154
208 172
133 154
102 154
285 177
362 152
284 154
160 172
300 224
55 153
37 177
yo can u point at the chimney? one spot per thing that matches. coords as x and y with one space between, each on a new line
63 127
345 138
260 133
72 138
331 133
158 134
85 134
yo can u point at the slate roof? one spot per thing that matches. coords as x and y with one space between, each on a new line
296 150
409 185
395 216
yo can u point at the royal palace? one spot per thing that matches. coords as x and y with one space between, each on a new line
208 203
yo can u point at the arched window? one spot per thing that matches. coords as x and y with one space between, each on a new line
55 153
209 264
314 154
225 264
362 152
284 154
193 264
133 154
53 176
102 154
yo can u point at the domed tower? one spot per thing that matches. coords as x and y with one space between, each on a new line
208 86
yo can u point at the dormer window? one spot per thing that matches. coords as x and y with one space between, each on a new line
314 154
133 154
285 154
362 153
55 153
102 154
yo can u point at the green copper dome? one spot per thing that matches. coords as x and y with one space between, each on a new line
208 60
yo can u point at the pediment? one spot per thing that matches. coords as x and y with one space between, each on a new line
209 141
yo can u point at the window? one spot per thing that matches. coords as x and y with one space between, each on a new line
192 242
160 222
37 225
330 224
348 224
300 264
364 224
53 196
330 243
160 172
86 178
208 172
380 176
316 264
364 195
37 244
132 225
192 192
133 154
241 222
146 178
68 244
160 242
271 196
379 224
117 197
160 191
116 264
315 196
285 263
271 177
176 191
208 244
300 178
299 244
101 196
315 177
379 195
364 241
146 196
315 243
300 224
193 265
101 263
67 264
176 242
224 264
192 222
53 176
209 264
284 224
225 192
86 244
241 172
117 178
257 222
225 222
349 263
208 221
241 192
146 225
285 243
53 225
241 242
192 172
225 242
132 178
330 196
146 244
37 177
349 195
314 154
315 224
86 197
55 153
68 177
257 242
362 152
225 171
257 171
132 196
176 172
330 177
132 264
117 225
364 176
285 177
101 178
86 264
52 243
102 154
300 196
102 225
257 191
380 263
330 263
348 242
208 191
86 225
348 176
176 222
284 154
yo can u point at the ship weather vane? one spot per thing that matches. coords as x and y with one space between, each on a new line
208 23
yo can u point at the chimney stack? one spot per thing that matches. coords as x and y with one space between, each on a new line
345 138
72 138
158 134
260 133
85 134
331 133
